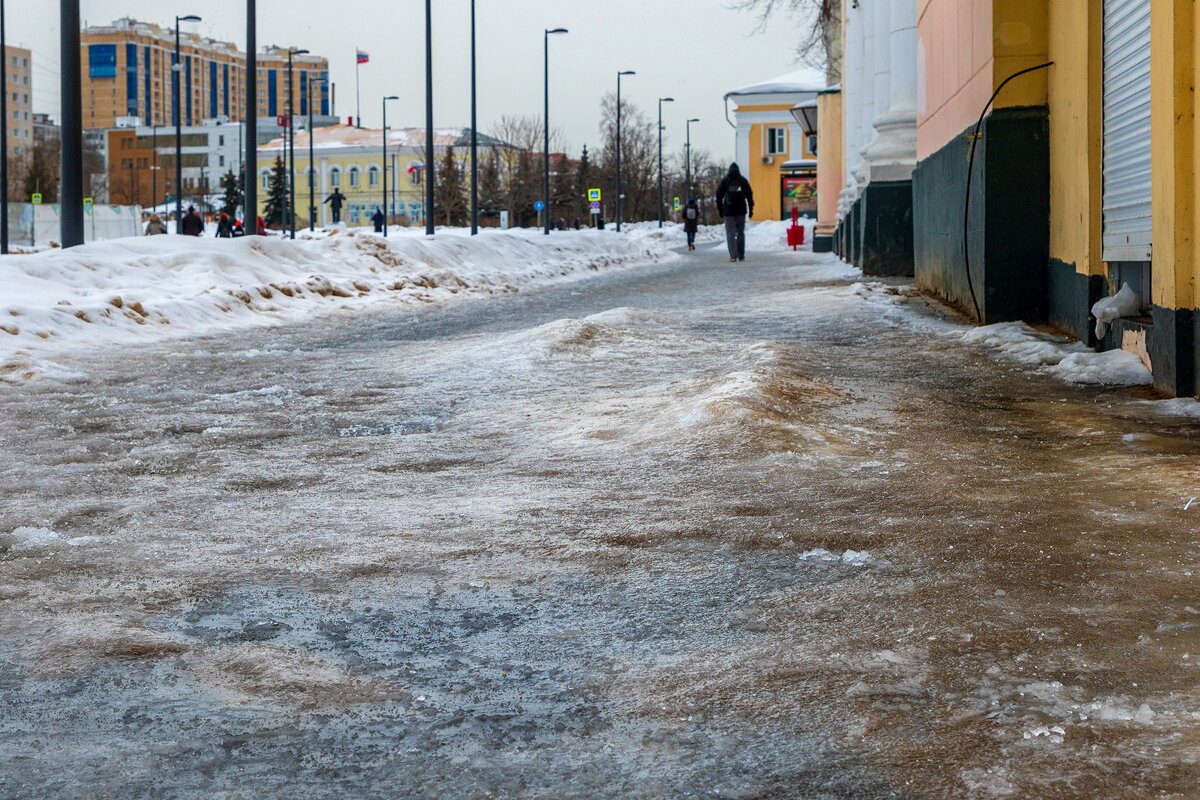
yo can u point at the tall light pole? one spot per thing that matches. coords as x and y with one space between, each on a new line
385 164
661 100
312 162
474 134
619 74
250 171
429 168
687 150
546 127
176 68
291 146
3 136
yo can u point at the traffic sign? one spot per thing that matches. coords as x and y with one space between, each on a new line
595 206
37 198
539 205
594 195
87 205
677 205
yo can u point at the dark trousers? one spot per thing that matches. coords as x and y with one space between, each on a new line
337 213
691 237
735 235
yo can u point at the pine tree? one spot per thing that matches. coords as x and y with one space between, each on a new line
276 212
491 192
233 193
450 197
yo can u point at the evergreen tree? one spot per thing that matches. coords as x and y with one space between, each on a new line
583 181
491 192
450 196
233 193
276 211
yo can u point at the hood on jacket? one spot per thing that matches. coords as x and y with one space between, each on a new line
735 170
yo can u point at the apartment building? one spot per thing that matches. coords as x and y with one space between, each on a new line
20 107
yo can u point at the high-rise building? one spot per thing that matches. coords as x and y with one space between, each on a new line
20 108
127 73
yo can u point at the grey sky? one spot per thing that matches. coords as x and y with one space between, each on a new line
694 51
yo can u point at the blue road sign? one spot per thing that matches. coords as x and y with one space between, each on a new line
539 205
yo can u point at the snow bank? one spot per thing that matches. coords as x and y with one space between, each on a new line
145 288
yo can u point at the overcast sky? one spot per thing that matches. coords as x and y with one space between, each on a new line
692 50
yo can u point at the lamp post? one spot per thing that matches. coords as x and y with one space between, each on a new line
291 146
312 163
385 164
546 126
661 100
619 74
176 68
250 156
688 156
474 134
3 136
429 168
71 196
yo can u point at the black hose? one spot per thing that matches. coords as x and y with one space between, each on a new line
970 171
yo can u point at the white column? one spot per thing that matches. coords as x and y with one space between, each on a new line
881 29
894 154
851 114
868 11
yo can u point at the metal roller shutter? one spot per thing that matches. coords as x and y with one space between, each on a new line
1126 204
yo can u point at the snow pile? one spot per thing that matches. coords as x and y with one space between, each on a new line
143 288
1072 362
1110 368
1176 407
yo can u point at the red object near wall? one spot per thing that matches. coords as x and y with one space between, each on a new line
795 234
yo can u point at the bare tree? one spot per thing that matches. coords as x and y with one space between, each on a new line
521 166
639 158
820 22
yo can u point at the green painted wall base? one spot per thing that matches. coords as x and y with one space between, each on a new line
1009 225
1172 346
887 228
823 244
1070 300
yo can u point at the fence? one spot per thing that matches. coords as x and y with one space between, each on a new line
37 225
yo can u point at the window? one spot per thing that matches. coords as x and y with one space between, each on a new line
415 173
220 161
265 178
335 177
776 141
102 61
373 176
354 177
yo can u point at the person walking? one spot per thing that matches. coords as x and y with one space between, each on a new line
192 224
336 201
377 219
155 226
691 221
224 227
735 198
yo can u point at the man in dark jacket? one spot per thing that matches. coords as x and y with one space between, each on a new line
691 221
192 224
335 201
735 198
377 219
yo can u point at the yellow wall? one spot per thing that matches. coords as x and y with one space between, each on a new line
365 195
766 179
1074 93
1021 40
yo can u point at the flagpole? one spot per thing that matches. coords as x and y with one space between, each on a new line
357 93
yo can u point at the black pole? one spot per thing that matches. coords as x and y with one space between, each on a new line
175 70
250 189
71 201
385 197
619 74
291 150
153 166
661 199
312 166
3 136
429 168
546 132
474 135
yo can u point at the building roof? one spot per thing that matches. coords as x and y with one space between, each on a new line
339 136
804 80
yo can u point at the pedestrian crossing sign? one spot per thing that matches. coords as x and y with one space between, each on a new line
37 198
677 205
87 205
594 195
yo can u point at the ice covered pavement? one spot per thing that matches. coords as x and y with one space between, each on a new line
688 530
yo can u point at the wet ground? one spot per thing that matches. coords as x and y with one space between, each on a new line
690 530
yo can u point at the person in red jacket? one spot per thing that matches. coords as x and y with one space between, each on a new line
262 226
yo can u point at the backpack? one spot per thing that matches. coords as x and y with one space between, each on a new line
690 212
735 199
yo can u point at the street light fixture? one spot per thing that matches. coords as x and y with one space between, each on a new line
429 168
546 126
474 134
176 68
3 136
619 74
312 165
385 164
291 146
688 156
661 200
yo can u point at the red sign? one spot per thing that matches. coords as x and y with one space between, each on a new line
283 121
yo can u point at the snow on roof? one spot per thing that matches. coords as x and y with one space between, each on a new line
802 80
335 136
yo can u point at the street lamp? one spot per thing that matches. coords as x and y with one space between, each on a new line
619 74
546 126
429 168
250 143
688 156
312 165
176 68
3 136
385 164
474 135
661 100
291 146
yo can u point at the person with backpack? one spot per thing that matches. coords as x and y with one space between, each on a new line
735 198
224 227
691 221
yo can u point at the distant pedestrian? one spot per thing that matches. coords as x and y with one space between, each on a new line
260 225
735 198
377 218
239 230
224 227
336 201
155 226
691 221
192 225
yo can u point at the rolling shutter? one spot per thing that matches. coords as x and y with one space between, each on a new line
1126 203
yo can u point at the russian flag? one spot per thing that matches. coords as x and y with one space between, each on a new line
413 167
362 57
